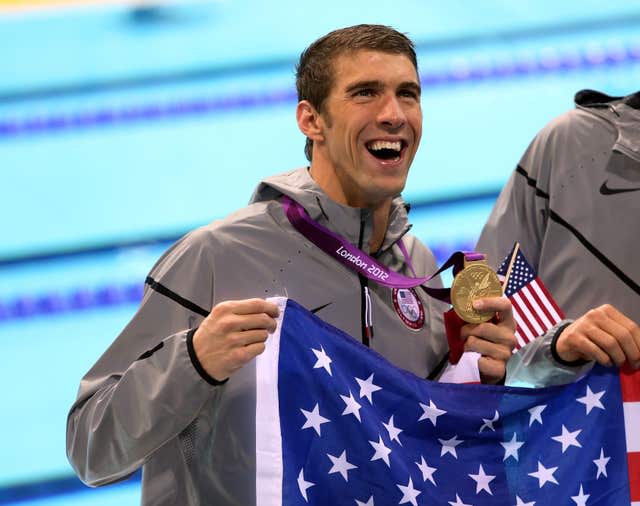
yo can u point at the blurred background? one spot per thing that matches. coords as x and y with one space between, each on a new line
125 124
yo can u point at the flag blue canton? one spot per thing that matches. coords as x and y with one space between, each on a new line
521 274
358 431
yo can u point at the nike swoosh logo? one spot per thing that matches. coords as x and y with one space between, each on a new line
320 308
606 190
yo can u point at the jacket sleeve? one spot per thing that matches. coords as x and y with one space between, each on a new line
145 389
534 365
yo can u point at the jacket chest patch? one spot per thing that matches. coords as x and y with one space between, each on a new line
409 307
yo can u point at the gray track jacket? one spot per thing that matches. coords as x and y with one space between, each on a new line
145 404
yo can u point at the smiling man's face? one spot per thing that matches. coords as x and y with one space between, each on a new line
370 128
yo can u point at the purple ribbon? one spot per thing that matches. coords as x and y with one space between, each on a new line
355 259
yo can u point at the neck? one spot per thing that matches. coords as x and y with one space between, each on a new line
330 184
380 223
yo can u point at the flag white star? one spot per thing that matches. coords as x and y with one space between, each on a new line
368 503
488 423
520 502
544 475
449 446
601 463
323 360
303 485
568 438
427 472
382 452
458 502
581 498
352 406
314 419
431 412
367 387
482 481
340 465
511 448
591 400
536 414
409 493
393 431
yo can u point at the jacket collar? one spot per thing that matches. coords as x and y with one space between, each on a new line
343 220
622 112
592 98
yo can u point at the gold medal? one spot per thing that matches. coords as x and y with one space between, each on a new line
477 280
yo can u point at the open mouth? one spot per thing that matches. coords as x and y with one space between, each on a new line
386 150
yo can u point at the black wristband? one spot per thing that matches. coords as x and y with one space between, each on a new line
196 363
554 352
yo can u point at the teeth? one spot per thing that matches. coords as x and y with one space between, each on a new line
376 145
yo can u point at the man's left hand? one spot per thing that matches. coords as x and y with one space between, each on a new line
494 341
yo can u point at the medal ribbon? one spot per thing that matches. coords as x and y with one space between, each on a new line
355 259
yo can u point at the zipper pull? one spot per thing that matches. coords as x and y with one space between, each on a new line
368 313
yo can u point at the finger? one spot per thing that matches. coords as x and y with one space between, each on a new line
616 315
253 306
492 304
625 333
591 351
607 344
488 348
250 322
249 337
242 355
491 371
498 334
253 350
468 330
500 305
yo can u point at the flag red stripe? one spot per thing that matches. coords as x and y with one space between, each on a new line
536 310
633 460
524 326
525 295
540 303
630 384
523 332
521 339
523 329
551 299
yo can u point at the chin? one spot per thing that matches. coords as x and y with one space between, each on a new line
387 192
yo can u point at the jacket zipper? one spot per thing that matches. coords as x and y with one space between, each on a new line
366 315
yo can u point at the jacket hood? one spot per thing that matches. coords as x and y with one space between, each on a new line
343 220
622 112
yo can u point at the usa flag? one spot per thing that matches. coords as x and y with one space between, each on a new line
534 309
337 424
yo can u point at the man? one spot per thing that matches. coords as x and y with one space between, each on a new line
175 393
573 204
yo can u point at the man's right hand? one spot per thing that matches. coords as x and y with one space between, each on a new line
233 334
602 334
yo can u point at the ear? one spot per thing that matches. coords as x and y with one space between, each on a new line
310 122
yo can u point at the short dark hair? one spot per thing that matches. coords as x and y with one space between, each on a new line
314 72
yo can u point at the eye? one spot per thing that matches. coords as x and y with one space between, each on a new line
365 92
408 94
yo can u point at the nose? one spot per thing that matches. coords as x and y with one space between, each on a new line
391 114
